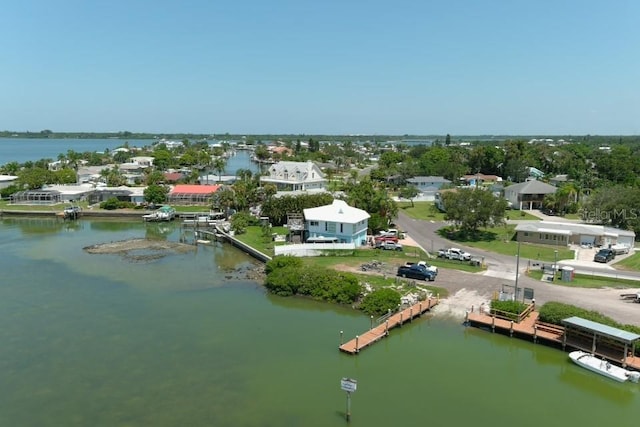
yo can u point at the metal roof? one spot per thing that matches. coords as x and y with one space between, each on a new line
601 329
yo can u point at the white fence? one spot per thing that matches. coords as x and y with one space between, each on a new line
311 249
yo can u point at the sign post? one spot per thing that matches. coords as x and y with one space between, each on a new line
349 385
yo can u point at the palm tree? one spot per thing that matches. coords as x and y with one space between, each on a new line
218 165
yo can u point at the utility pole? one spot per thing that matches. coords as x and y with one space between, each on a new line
515 295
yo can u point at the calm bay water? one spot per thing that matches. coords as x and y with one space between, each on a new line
98 340
31 149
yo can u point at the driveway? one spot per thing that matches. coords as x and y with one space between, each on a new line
501 273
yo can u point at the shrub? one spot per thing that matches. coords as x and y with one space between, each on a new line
282 261
288 276
380 301
515 307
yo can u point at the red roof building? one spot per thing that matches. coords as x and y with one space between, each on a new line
192 194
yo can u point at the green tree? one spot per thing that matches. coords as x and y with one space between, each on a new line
219 164
471 209
34 178
409 192
156 194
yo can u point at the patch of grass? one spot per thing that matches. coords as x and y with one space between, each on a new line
587 281
515 215
631 263
253 237
422 210
194 209
501 240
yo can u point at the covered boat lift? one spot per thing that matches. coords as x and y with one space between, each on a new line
601 340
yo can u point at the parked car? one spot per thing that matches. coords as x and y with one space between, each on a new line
423 264
454 253
389 246
385 239
604 255
416 272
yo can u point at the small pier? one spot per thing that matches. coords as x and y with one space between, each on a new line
376 333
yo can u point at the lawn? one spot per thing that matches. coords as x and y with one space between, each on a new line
631 263
5 205
501 240
520 216
588 281
426 211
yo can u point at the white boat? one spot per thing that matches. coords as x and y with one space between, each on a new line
602 367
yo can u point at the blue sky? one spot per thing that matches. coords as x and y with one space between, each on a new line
321 67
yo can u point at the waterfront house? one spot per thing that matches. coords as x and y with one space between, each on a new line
293 176
528 194
337 222
191 194
122 193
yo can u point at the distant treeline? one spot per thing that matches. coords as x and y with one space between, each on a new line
253 139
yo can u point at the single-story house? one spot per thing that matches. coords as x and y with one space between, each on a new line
480 179
190 194
72 193
291 176
528 194
563 234
428 184
122 193
337 222
172 177
7 180
53 194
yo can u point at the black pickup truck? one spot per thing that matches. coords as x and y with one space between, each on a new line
416 271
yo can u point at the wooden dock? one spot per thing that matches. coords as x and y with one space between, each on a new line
376 333
532 328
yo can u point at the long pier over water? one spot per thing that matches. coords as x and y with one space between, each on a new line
376 333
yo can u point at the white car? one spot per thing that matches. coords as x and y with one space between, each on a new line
459 254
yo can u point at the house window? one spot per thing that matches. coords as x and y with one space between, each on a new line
313 223
546 237
341 228
526 234
326 226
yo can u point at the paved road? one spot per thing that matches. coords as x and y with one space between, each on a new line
501 271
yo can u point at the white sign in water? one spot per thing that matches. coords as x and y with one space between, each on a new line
349 385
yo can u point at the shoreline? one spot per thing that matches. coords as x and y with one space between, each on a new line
83 214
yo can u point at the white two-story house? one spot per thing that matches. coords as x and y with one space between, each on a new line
337 222
295 176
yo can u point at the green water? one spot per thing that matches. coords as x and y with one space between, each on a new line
98 340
